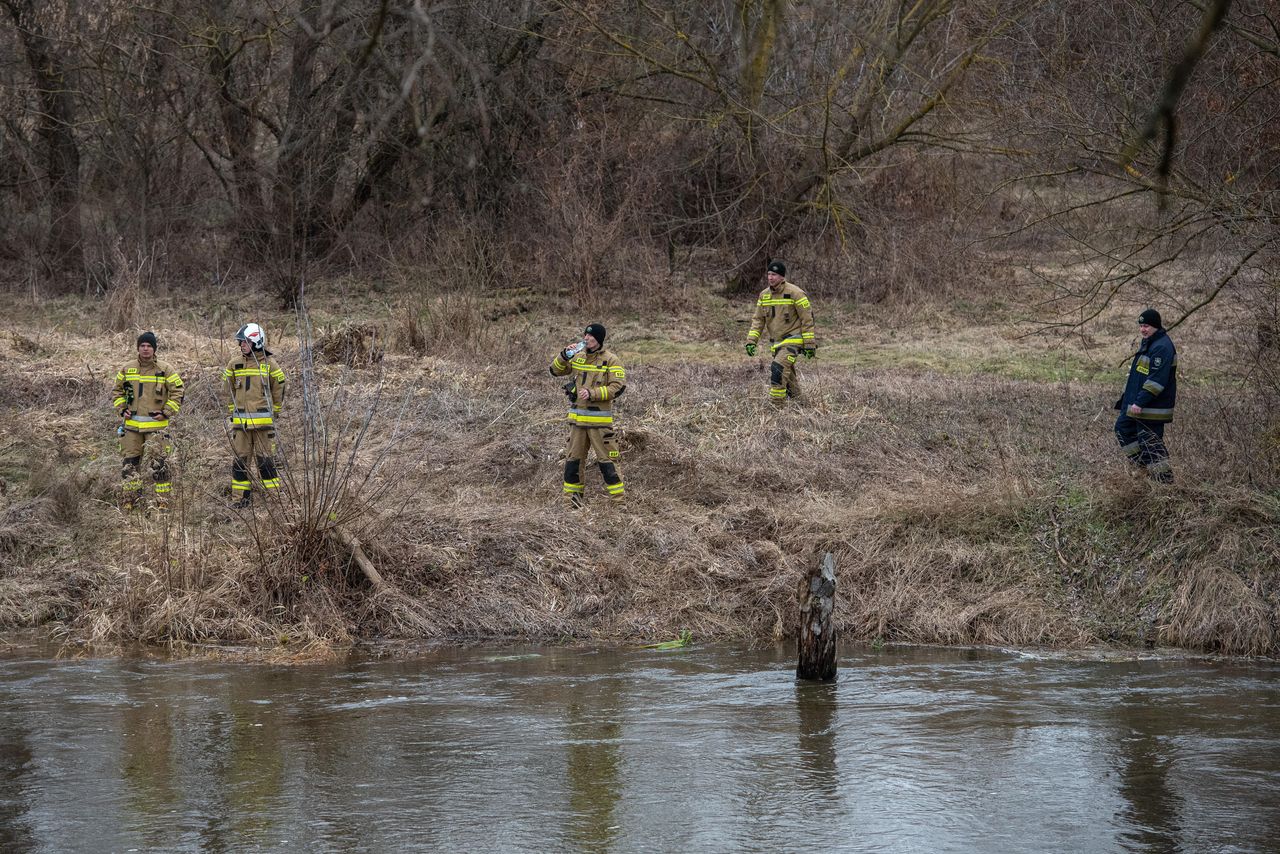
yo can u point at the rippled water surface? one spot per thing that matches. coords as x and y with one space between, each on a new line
702 749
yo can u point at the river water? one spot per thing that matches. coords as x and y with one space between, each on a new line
585 749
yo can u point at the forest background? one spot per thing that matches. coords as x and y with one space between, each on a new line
422 202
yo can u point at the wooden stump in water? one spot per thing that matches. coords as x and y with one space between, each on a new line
817 641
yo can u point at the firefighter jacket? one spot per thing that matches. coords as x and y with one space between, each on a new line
255 386
602 375
784 316
146 387
1153 379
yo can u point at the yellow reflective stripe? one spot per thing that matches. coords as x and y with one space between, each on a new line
151 424
251 372
226 375
173 404
145 378
1153 387
163 488
558 362
240 421
119 401
782 301
271 483
806 335
241 485
754 333
614 488
604 393
119 376
174 379
573 487
278 375
803 302
590 419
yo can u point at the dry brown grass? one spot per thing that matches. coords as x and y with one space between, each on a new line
963 506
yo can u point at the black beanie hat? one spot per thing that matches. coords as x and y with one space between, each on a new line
148 338
777 267
1151 317
596 331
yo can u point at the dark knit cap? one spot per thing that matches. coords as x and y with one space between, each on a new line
596 331
148 338
1151 317
777 267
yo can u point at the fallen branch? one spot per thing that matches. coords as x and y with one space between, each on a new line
357 554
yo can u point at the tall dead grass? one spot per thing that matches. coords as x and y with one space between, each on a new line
961 507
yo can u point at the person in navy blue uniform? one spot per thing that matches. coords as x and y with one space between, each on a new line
1149 397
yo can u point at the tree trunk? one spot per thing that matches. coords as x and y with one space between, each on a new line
253 228
817 641
62 152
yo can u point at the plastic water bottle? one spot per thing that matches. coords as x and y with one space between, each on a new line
574 349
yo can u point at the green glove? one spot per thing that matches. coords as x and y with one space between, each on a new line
809 352
751 349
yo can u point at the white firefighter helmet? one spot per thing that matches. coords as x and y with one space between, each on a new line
252 333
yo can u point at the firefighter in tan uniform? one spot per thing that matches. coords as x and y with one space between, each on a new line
598 379
147 394
255 388
784 315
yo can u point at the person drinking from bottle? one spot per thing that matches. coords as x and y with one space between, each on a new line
597 380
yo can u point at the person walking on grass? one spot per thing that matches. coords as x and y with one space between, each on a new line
147 395
784 315
1148 400
255 387
598 380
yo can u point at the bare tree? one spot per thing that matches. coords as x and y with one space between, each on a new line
1092 105
789 104
55 122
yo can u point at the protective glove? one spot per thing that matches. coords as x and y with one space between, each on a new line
751 349
810 352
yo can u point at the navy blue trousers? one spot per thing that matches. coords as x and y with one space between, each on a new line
1143 442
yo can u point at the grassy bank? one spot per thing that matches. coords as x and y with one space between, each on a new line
962 471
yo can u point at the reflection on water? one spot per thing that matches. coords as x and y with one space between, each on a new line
1144 761
618 750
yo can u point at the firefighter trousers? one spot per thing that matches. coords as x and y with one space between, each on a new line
132 447
259 444
784 382
605 444
1142 442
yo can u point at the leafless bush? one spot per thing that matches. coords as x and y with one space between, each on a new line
355 345
128 278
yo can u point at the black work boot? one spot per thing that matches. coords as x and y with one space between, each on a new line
244 501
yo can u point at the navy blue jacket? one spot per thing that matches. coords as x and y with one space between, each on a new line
1153 379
